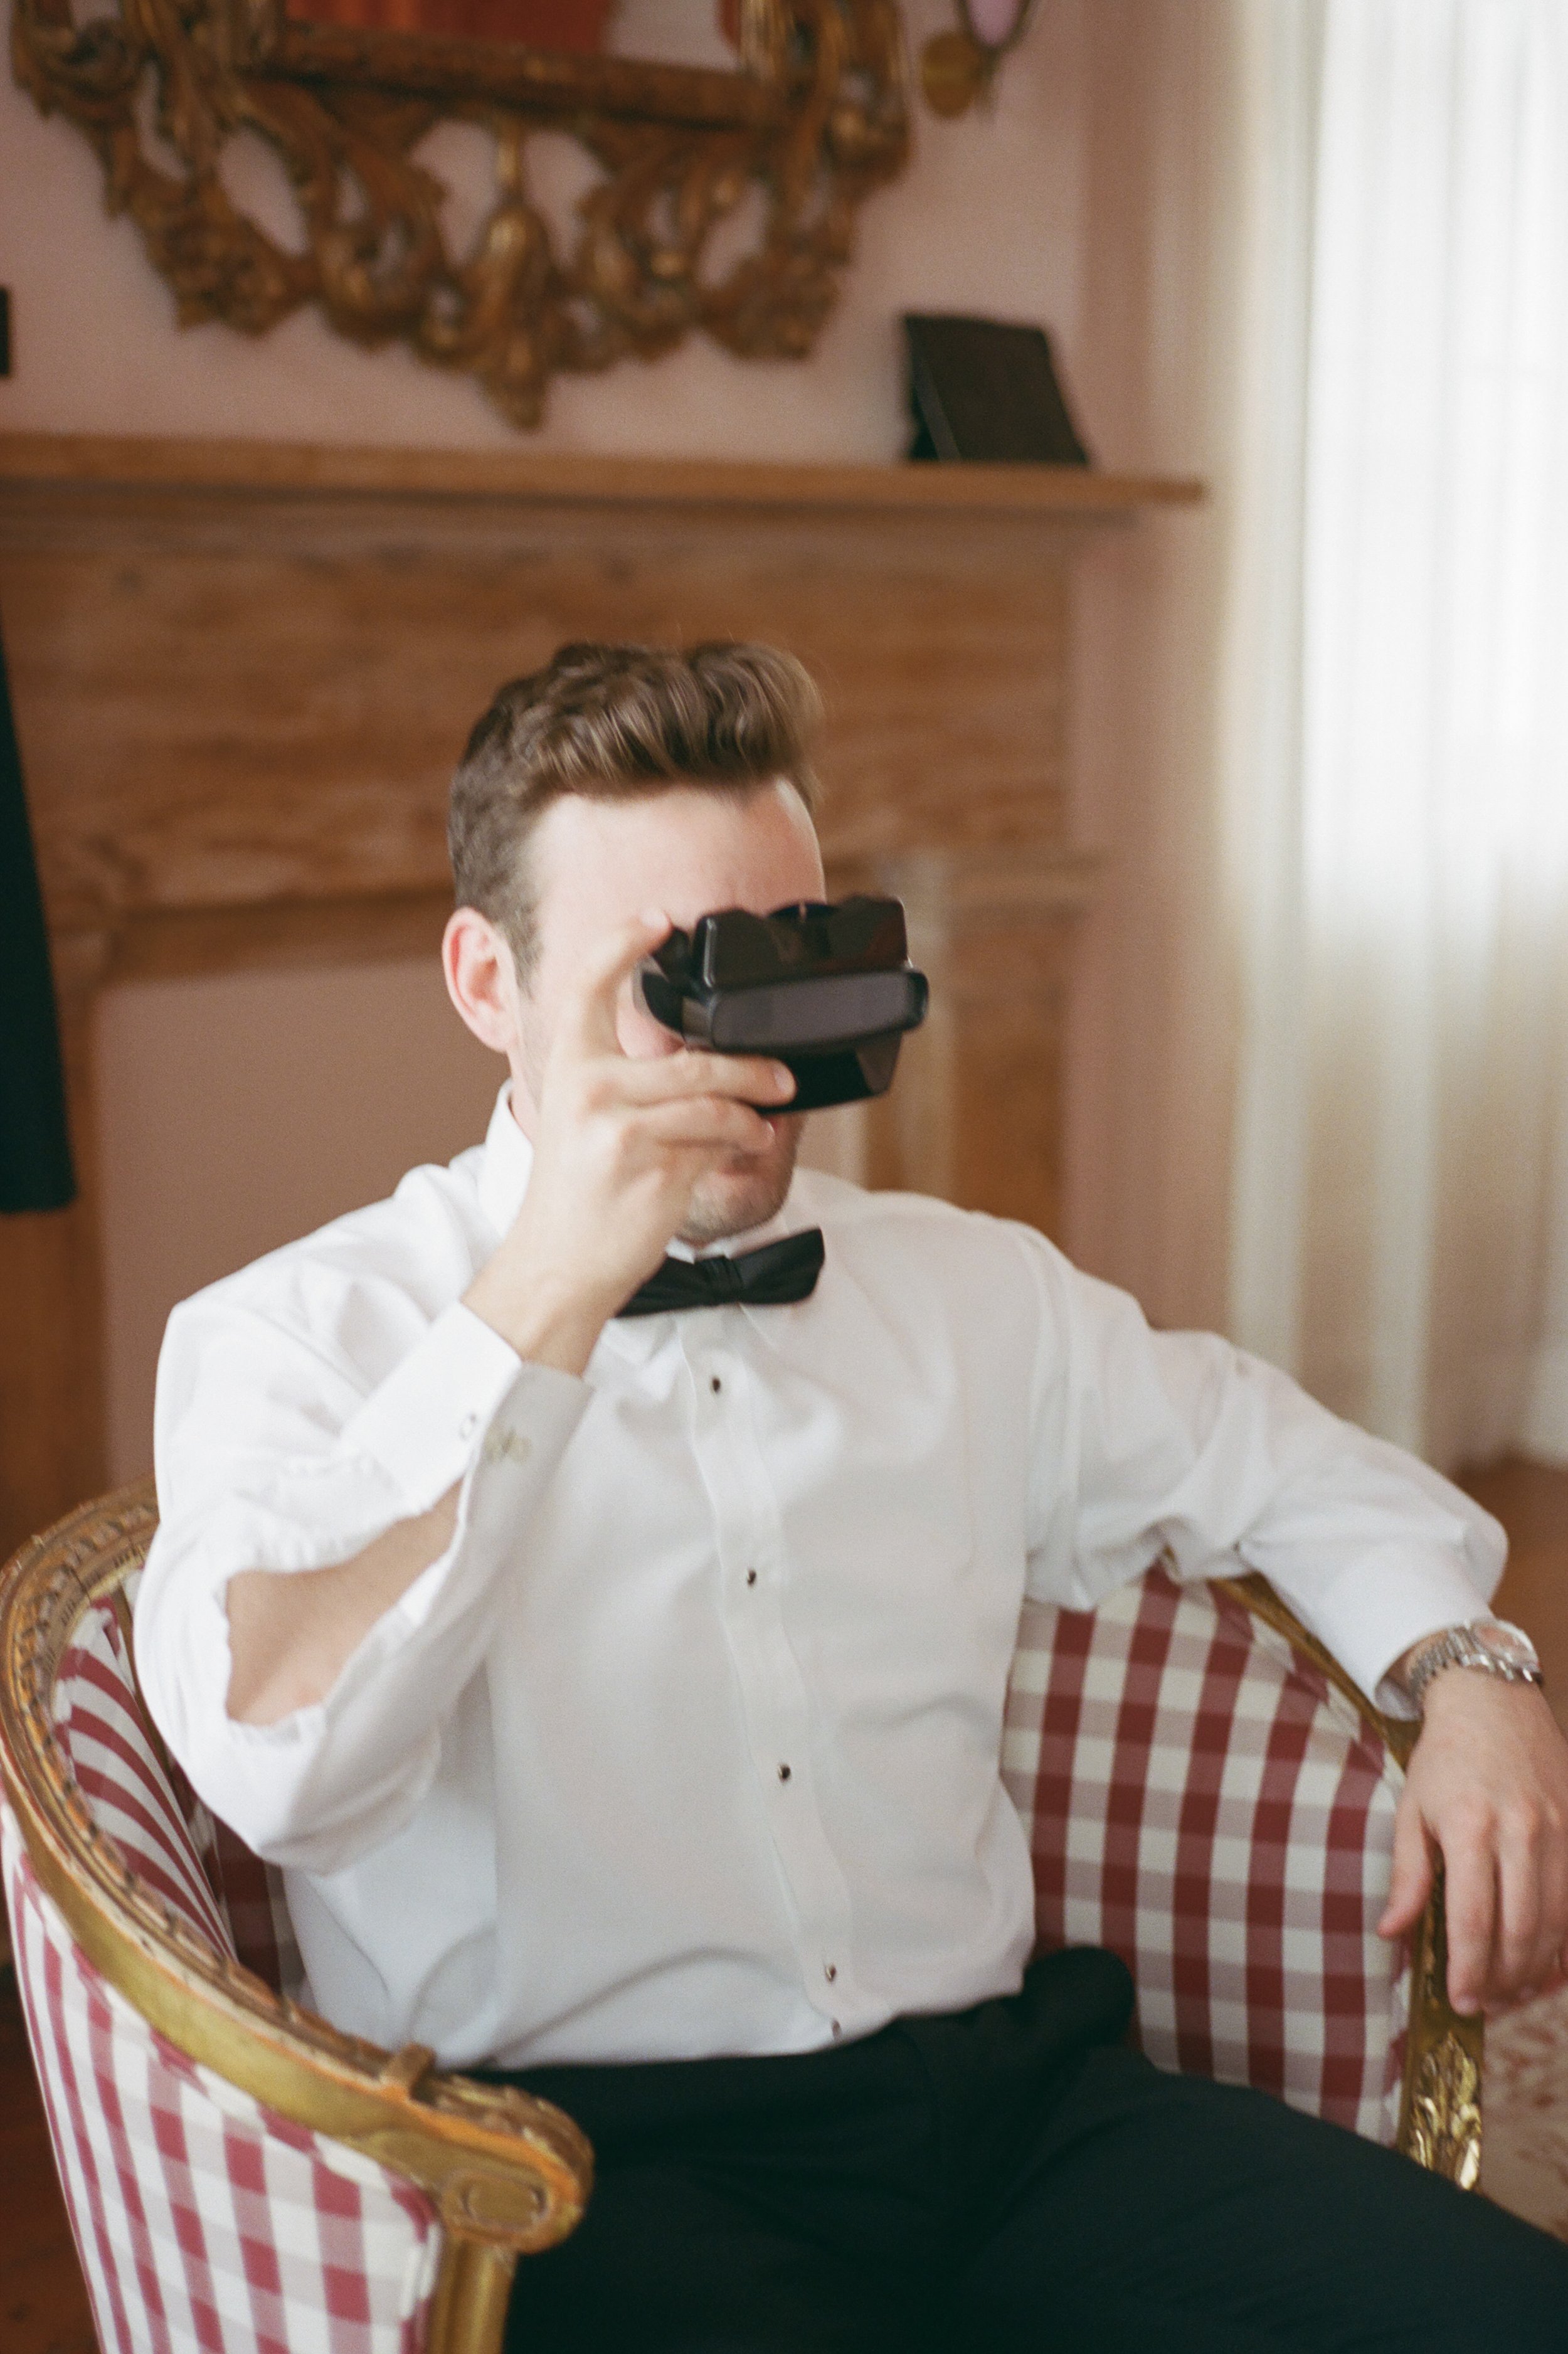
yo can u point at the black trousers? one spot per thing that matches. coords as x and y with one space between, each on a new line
1011 2178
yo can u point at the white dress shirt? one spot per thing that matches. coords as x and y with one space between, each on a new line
689 1742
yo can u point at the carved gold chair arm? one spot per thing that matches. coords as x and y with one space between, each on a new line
1440 2106
507 2175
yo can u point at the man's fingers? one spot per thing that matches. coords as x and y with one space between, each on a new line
663 1078
1470 1910
1410 1885
588 1012
1520 1958
704 1122
1554 1939
1490 1777
1533 1882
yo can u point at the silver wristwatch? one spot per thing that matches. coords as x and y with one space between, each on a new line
1491 1645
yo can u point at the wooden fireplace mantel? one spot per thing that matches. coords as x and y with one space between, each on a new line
274 468
242 673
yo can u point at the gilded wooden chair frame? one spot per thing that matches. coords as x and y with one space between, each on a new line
508 2175
814 117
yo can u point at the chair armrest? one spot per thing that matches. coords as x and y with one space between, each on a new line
1440 2105
507 2175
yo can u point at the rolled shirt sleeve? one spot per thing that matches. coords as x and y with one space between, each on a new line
272 1454
1177 1442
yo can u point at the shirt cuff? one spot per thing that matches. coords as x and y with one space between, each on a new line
1395 1596
522 1443
423 1425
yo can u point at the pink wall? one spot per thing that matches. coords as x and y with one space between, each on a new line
240 1111
1091 198
990 210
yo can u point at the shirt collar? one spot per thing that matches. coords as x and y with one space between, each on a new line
506 1166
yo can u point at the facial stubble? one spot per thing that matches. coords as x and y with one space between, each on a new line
734 1203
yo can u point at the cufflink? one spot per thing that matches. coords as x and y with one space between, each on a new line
504 1446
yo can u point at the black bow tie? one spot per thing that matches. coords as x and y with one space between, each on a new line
770 1276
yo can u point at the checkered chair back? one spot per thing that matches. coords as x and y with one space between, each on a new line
142 1800
1200 1798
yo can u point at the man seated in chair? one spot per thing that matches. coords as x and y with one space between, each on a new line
621 1685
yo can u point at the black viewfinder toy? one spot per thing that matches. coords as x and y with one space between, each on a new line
828 990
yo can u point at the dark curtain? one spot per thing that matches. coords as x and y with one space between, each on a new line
35 1149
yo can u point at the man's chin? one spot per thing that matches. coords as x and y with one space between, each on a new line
731 1202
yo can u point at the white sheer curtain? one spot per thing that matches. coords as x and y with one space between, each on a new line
1397 736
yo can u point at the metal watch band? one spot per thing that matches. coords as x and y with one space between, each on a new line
1466 1647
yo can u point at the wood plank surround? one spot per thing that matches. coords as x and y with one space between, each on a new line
243 671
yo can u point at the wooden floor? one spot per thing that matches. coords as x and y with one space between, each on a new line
43 2307
1532 1503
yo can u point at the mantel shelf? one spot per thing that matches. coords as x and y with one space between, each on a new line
269 469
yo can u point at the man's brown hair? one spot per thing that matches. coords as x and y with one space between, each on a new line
610 723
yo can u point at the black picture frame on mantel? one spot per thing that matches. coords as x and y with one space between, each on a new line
986 392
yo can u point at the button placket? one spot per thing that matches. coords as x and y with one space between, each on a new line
775 1701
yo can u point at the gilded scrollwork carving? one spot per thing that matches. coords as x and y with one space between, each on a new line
1444 2131
813 119
1440 2124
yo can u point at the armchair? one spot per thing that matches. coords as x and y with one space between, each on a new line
1204 1792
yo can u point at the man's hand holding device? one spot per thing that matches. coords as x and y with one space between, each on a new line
624 1139
622 1143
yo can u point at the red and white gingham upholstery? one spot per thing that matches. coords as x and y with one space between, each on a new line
203 2219
1198 1798
1203 1801
95 1686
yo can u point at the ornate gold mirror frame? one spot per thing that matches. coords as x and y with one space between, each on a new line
813 118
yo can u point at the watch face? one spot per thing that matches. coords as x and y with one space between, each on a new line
1510 1644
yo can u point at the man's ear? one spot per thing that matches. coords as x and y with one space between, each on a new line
482 979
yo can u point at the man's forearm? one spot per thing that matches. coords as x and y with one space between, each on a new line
292 1632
